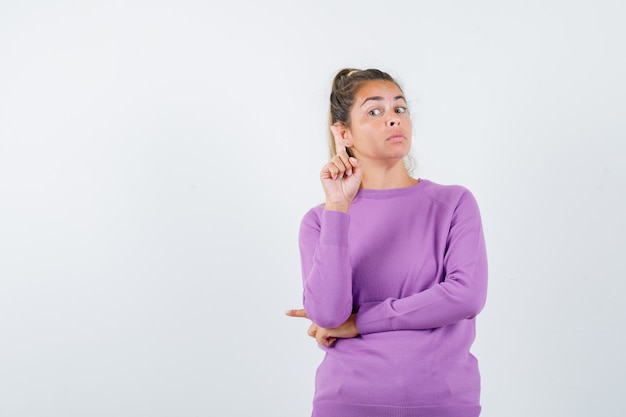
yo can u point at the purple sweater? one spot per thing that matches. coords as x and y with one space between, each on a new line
411 263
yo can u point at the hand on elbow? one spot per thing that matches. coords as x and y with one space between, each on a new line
328 337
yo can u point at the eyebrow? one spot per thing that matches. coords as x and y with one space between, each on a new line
379 98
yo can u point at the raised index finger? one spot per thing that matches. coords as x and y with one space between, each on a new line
340 148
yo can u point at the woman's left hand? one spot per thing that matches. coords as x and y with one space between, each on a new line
328 337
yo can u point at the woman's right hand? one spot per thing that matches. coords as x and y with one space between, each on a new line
328 337
341 177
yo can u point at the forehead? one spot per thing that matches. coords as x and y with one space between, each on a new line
380 88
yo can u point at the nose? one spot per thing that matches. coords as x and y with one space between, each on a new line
393 120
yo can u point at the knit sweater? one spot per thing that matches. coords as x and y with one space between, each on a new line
411 263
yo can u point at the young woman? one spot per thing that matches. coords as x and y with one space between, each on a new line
394 268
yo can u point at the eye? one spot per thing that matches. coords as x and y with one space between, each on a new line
401 110
374 112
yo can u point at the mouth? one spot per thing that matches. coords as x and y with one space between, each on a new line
396 138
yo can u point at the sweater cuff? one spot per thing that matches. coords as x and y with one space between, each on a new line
372 319
334 228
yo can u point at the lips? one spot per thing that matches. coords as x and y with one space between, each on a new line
396 138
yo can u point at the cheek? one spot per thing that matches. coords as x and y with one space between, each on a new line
408 125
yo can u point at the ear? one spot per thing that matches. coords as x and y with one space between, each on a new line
344 132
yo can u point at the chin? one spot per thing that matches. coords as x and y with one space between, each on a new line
400 154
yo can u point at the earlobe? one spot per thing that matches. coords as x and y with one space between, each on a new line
347 139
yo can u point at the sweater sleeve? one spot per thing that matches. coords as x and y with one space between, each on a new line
461 294
326 270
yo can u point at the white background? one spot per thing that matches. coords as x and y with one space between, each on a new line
156 158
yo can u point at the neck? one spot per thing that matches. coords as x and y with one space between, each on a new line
377 177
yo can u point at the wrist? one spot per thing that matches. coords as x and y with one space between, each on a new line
343 207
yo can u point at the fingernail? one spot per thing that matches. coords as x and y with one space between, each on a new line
349 172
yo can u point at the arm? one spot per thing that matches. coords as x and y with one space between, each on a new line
460 296
326 270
